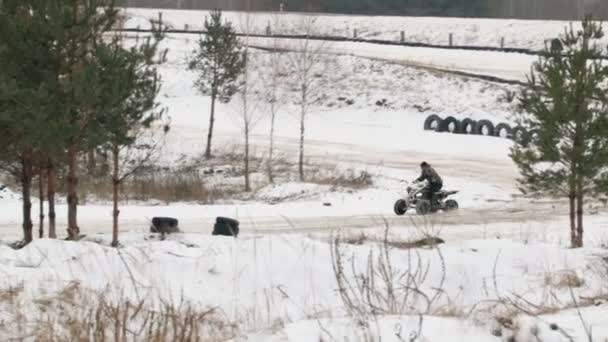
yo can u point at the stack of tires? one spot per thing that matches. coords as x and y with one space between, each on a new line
482 127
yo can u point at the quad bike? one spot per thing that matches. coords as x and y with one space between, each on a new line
414 198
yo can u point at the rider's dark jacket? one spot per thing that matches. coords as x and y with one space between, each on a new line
430 175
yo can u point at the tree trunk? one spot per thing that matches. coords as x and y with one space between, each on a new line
247 181
211 122
91 162
302 130
579 215
115 184
51 179
72 185
27 171
572 199
41 201
271 149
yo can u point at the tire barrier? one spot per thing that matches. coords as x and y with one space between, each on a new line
520 135
449 124
432 122
468 126
482 127
503 130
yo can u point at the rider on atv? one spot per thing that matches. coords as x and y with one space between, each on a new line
435 183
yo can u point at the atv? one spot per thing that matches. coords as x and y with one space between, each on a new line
414 199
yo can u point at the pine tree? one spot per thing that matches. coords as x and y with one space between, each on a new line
218 63
25 87
566 102
79 26
130 84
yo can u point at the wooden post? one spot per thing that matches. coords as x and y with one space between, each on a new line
268 31
451 39
403 36
355 33
502 42
160 17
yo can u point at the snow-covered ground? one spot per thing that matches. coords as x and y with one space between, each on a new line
260 279
530 34
277 280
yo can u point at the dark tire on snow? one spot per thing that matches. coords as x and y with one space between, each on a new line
226 226
400 207
484 127
423 207
451 205
432 122
520 135
164 225
503 131
450 124
468 126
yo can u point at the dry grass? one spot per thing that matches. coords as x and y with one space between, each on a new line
75 314
363 239
209 181
564 280
348 179
169 186
382 287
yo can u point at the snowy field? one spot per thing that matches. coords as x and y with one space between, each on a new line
530 34
504 272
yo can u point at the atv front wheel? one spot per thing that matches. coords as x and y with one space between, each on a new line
451 205
400 207
423 207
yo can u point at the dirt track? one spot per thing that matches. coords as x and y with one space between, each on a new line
496 172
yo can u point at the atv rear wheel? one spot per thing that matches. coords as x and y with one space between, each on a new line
423 207
451 205
400 207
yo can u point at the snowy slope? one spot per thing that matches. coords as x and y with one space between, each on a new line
294 275
466 31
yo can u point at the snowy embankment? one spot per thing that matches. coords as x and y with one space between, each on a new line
506 66
530 34
259 281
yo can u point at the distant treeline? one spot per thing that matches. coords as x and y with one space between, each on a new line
522 9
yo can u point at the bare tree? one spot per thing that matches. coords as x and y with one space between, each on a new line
247 101
274 89
308 63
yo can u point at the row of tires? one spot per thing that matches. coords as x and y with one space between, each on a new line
481 127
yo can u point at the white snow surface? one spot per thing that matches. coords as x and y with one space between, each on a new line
294 274
530 34
6 193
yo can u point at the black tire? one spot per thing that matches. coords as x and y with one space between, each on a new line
468 126
450 124
226 227
484 127
451 205
400 207
423 207
432 122
520 135
164 225
503 128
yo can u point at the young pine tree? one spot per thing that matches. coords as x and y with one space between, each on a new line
129 111
218 63
27 83
566 102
